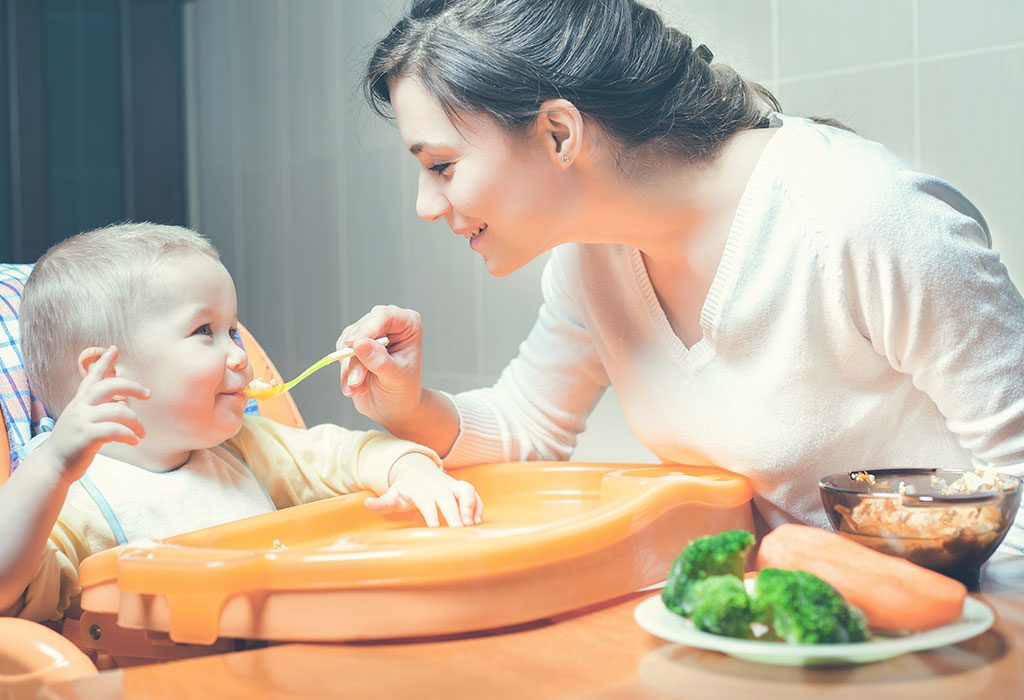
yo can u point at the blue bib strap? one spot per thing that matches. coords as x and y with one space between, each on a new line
105 509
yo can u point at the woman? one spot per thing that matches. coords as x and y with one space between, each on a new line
770 294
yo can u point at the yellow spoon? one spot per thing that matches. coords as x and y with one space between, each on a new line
261 390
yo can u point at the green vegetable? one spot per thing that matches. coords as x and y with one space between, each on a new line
802 609
721 606
714 555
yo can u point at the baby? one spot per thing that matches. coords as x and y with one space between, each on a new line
130 340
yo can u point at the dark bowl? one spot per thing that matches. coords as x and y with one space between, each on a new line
953 534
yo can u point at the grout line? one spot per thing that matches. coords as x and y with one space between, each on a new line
916 43
191 94
775 43
478 284
237 215
901 62
290 349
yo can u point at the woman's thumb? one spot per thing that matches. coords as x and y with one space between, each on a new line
375 358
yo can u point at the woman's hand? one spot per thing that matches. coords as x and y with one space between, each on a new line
385 384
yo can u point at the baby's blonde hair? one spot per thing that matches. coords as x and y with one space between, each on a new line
87 291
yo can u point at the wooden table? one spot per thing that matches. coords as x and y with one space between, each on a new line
597 653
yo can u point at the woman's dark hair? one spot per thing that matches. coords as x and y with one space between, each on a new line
644 83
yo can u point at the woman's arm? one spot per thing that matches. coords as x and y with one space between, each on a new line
534 411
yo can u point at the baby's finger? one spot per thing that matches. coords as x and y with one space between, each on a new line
445 501
427 506
115 412
115 388
114 432
467 498
99 368
478 510
390 501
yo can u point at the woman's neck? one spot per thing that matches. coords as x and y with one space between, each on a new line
669 212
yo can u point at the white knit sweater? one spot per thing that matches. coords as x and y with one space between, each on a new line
858 319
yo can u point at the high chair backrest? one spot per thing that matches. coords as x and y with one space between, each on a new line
16 398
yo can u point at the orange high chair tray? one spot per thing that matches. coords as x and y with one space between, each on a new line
556 537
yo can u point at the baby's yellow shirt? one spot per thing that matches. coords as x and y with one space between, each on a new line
295 466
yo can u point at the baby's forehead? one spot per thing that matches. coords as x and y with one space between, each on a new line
179 291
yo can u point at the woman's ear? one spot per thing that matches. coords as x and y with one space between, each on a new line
87 357
560 125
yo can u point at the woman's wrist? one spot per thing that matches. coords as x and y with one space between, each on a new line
434 422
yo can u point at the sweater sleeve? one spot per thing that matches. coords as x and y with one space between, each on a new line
931 295
299 465
541 401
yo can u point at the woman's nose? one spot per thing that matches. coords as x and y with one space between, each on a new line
431 205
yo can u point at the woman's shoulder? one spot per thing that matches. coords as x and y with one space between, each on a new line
851 188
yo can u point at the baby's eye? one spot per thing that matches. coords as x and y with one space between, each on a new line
440 168
204 329
235 335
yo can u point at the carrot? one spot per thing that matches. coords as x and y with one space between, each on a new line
895 594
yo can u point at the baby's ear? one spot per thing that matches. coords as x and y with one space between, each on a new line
87 357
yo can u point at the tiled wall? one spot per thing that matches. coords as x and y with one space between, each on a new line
310 198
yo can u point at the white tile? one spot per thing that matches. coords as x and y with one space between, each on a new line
971 136
265 308
738 32
443 290
509 310
819 35
318 296
878 104
607 437
312 105
261 83
945 26
374 246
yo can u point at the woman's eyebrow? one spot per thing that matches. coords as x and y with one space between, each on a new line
420 145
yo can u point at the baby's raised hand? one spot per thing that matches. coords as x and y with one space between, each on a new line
416 482
95 416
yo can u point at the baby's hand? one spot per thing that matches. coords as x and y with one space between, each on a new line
95 416
416 482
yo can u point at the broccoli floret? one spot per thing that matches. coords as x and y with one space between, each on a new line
802 609
721 606
713 555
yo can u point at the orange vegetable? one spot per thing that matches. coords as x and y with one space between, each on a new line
895 595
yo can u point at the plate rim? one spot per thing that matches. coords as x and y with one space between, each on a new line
976 618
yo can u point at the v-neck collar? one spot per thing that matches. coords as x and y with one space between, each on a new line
698 354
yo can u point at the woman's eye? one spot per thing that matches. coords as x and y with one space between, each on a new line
204 329
440 168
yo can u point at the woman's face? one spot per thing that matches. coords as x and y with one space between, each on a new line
505 195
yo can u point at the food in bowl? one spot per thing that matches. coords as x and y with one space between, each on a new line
943 519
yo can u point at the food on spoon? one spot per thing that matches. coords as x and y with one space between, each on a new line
895 595
713 555
800 608
260 389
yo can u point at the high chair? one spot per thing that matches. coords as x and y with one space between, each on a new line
33 653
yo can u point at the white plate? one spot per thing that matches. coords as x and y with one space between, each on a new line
654 617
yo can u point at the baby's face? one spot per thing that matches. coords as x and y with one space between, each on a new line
184 350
